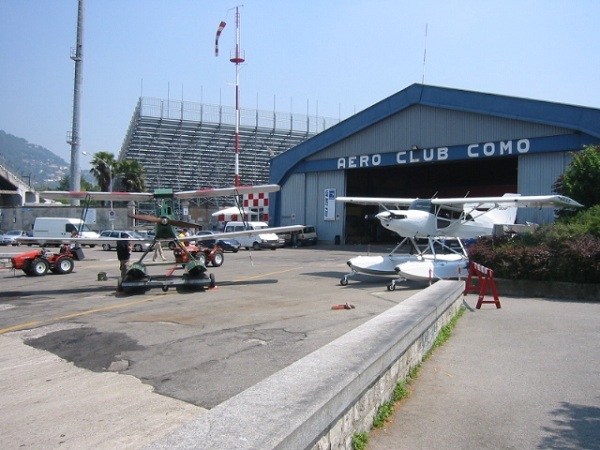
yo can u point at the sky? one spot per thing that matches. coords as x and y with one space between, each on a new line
328 58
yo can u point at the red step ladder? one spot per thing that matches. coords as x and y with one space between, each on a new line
485 278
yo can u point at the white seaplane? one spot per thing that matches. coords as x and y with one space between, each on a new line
440 221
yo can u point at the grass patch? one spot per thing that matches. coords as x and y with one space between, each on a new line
386 410
359 441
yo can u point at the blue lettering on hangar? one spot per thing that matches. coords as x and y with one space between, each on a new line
497 149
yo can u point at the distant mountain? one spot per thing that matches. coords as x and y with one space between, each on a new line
35 164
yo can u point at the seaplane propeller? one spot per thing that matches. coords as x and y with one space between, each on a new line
163 220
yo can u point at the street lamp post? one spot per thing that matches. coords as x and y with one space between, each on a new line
110 183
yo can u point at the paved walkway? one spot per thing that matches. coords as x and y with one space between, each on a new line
526 376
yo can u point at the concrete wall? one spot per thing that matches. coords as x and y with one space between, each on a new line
322 400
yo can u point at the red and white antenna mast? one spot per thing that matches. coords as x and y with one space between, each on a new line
237 58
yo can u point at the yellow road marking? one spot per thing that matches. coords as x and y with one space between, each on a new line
120 305
266 274
82 313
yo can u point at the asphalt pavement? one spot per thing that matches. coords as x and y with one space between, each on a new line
526 376
83 368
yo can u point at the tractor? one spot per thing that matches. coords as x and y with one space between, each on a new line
39 262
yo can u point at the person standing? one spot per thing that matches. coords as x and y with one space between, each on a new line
123 254
158 251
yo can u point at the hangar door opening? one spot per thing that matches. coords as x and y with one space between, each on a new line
484 177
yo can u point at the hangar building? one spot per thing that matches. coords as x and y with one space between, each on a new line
428 141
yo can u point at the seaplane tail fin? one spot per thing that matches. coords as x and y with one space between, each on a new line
503 215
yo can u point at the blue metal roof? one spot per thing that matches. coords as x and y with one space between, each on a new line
577 118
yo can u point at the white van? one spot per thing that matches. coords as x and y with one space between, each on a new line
256 241
61 228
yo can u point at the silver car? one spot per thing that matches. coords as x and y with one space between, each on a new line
10 237
124 234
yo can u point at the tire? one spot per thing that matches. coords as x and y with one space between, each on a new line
255 246
39 267
27 268
106 247
64 266
137 248
171 245
217 259
201 257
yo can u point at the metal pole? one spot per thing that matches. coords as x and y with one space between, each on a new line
237 60
74 139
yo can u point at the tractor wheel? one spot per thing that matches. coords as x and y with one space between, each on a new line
27 267
64 266
217 259
39 267
201 257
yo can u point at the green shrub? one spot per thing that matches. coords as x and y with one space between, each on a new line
566 251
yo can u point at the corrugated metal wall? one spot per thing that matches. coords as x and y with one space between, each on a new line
293 200
316 184
303 202
428 127
537 174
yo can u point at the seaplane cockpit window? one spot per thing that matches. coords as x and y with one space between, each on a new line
422 205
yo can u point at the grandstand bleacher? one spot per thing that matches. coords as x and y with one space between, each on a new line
185 145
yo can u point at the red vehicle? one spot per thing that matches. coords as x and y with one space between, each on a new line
39 262
206 255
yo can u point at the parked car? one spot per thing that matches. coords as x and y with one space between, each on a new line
307 236
127 234
10 237
227 244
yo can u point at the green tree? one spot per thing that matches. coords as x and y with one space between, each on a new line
65 184
581 180
131 177
103 169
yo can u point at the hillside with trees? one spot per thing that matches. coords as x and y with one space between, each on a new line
34 164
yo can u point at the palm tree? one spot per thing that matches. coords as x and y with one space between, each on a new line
131 178
103 169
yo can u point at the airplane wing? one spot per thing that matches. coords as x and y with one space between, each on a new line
518 201
145 196
93 195
376 200
234 234
225 192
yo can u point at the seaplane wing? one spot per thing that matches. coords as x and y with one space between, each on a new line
528 201
234 234
514 200
145 196
93 195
